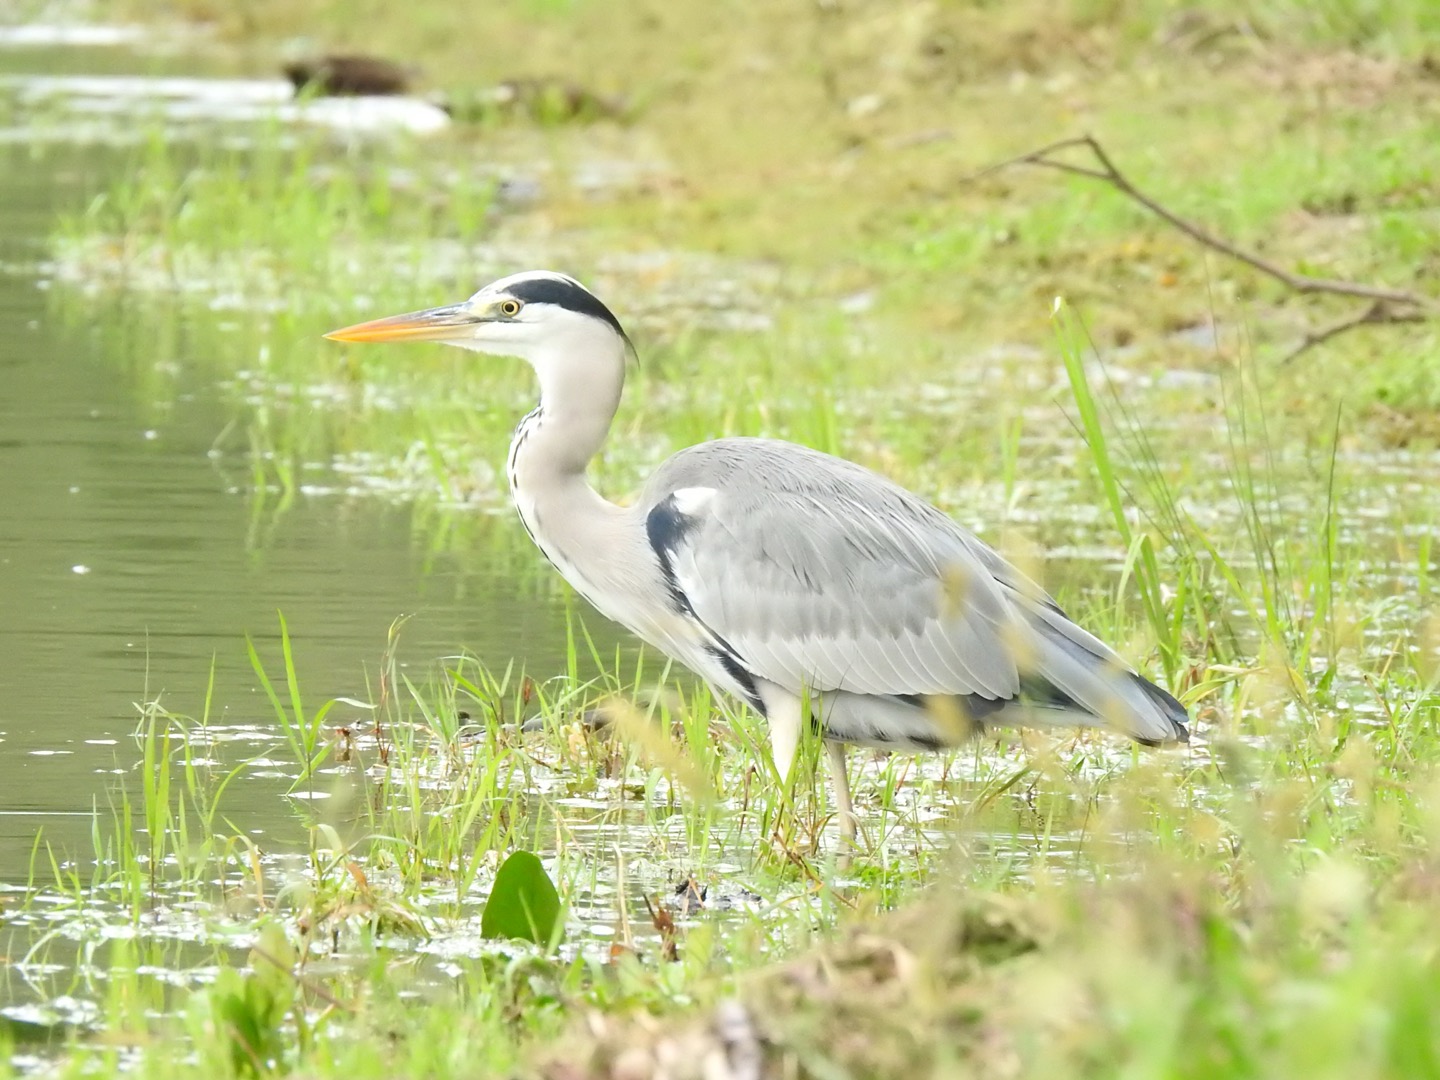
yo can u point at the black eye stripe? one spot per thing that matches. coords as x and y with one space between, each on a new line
567 294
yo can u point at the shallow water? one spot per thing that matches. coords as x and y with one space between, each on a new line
132 553
92 103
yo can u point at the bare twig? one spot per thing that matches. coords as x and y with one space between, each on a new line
301 981
1385 305
1376 312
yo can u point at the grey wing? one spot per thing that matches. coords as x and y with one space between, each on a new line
823 575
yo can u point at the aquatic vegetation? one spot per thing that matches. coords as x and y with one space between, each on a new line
1296 832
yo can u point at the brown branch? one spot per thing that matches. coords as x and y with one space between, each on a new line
1383 302
1377 312
301 981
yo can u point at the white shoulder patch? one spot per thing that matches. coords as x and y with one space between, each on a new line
691 501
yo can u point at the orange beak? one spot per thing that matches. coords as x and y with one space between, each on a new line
433 324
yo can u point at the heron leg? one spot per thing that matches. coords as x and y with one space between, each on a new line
783 713
844 807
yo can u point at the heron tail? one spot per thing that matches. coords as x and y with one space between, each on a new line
1075 672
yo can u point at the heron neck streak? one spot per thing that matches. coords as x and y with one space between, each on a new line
569 521
578 399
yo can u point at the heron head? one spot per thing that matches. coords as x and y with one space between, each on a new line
538 316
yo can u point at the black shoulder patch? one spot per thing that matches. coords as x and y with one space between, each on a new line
665 528
571 295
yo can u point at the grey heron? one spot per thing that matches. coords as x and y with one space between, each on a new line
806 586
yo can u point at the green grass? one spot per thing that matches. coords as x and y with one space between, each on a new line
1255 907
1258 905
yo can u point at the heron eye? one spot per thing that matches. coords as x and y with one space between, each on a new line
510 308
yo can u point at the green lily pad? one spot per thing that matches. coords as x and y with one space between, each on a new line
523 903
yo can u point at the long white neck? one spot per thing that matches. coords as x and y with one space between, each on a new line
577 529
578 398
